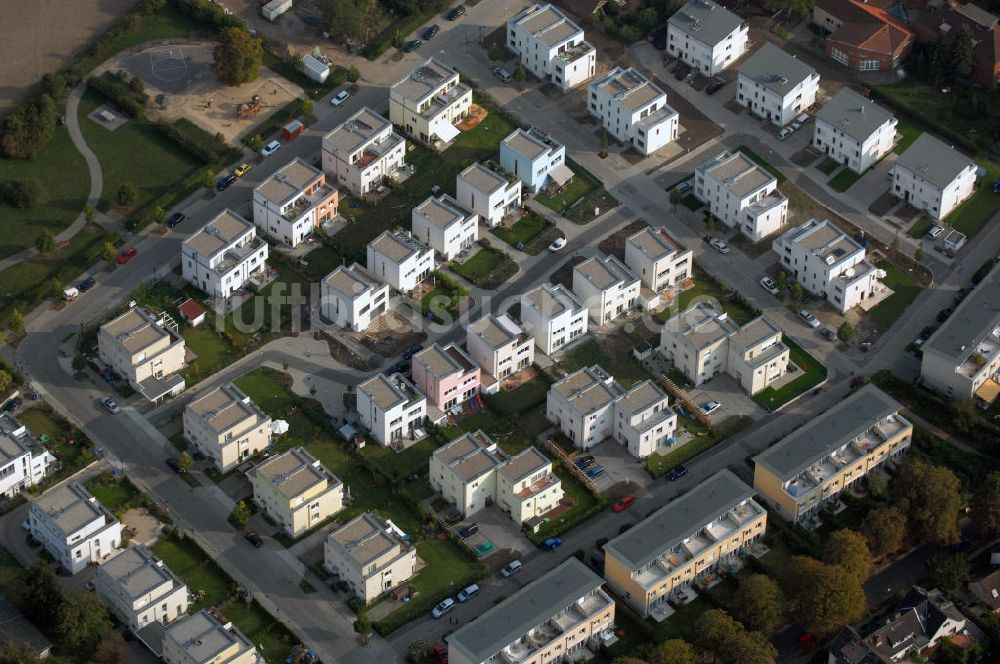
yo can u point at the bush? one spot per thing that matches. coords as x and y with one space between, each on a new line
208 12
197 142
29 128
54 85
27 193
120 93
126 194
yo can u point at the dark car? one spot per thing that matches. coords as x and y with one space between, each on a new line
440 654
594 471
456 13
468 531
400 367
411 351
175 464
86 284
584 462
552 543
677 473
714 87
254 539
430 32
12 405
175 219
412 45
224 183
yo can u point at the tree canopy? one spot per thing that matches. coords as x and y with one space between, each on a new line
985 507
82 622
674 651
730 643
885 530
823 598
759 604
849 549
238 56
929 496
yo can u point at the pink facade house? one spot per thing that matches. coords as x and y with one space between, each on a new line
447 376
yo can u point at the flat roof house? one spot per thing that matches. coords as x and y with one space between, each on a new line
392 409
363 151
933 176
226 426
553 316
489 192
659 260
296 490
24 461
446 375
428 102
400 260
685 540
776 86
225 256
830 263
501 347
962 358
445 226
352 298
551 46
854 131
535 158
370 555
707 36
73 526
633 110
607 287
557 615
146 350
293 201
582 405
741 194
812 465
202 638
644 421
141 592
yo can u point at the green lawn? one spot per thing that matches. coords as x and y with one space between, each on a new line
522 399
763 163
582 184
921 227
501 428
905 290
447 294
707 288
114 495
909 134
828 166
480 265
524 230
974 213
625 368
844 180
41 421
927 104
812 374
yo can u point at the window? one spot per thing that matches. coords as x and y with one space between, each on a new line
870 65
839 56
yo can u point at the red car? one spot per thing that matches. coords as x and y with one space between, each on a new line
623 503
126 256
440 654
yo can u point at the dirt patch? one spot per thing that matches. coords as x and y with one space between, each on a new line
142 526
393 337
805 157
883 204
564 275
615 243
476 115
908 213
342 353
523 376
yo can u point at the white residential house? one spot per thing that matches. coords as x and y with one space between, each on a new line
490 193
741 194
141 591
391 409
644 421
830 263
225 256
659 260
553 316
633 110
428 102
202 638
292 202
551 46
352 298
24 461
607 288
445 226
933 176
73 526
854 131
145 349
706 36
500 347
582 405
535 158
776 86
400 260
363 151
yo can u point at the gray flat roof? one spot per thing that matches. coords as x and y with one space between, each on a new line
775 69
827 432
679 519
933 160
706 21
529 607
971 321
853 114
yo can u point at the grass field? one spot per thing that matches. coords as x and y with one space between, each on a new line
487 268
909 134
114 495
813 373
581 185
707 288
587 504
622 365
921 227
523 231
828 166
41 421
927 103
905 290
844 180
974 213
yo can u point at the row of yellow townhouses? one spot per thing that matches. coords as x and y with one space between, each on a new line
700 533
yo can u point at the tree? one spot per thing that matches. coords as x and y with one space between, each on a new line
149 7
256 142
782 280
730 643
56 287
674 651
494 52
54 85
353 74
797 293
238 56
111 650
834 599
710 223
126 194
82 621
885 530
985 506
206 178
845 332
307 107
28 129
5 381
520 73
185 462
343 19
45 242
42 594
241 514
751 648
716 631
961 54
919 255
89 213
158 214
24 193
363 625
15 321
949 653
929 496
965 415
849 549
136 85
759 604
949 573
797 576
18 653
418 651
397 39
628 660
108 252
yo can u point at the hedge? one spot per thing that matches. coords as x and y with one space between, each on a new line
116 89
198 143
383 40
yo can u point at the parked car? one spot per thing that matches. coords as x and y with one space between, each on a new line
411 351
594 471
340 98
683 186
585 461
996 187
400 367
710 407
444 607
552 543
557 244
719 245
502 74
623 503
468 531
177 217
110 405
809 319
440 654
456 13
270 149
714 87
241 170
934 232
785 133
768 284
86 284
828 334
431 31
126 256
412 45
174 464
677 473
254 539
467 592
13 405
511 568
224 183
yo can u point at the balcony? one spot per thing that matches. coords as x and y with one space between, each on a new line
444 100
237 254
574 53
983 358
306 202
538 487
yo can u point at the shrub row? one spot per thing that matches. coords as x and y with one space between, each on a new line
198 143
209 13
117 90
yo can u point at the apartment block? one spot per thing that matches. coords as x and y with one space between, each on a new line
293 202
400 260
429 102
551 46
446 375
741 195
203 638
961 360
553 316
687 539
582 405
352 298
146 350
633 110
73 526
854 131
501 347
296 490
140 590
644 421
829 263
371 555
391 409
225 256
661 262
776 86
489 192
933 176
226 426
607 287
811 466
703 342
362 152
556 617
445 226
706 36
24 461
535 158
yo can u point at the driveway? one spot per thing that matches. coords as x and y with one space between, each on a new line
735 402
619 466
500 529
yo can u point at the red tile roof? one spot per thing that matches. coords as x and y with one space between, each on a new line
191 309
866 26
